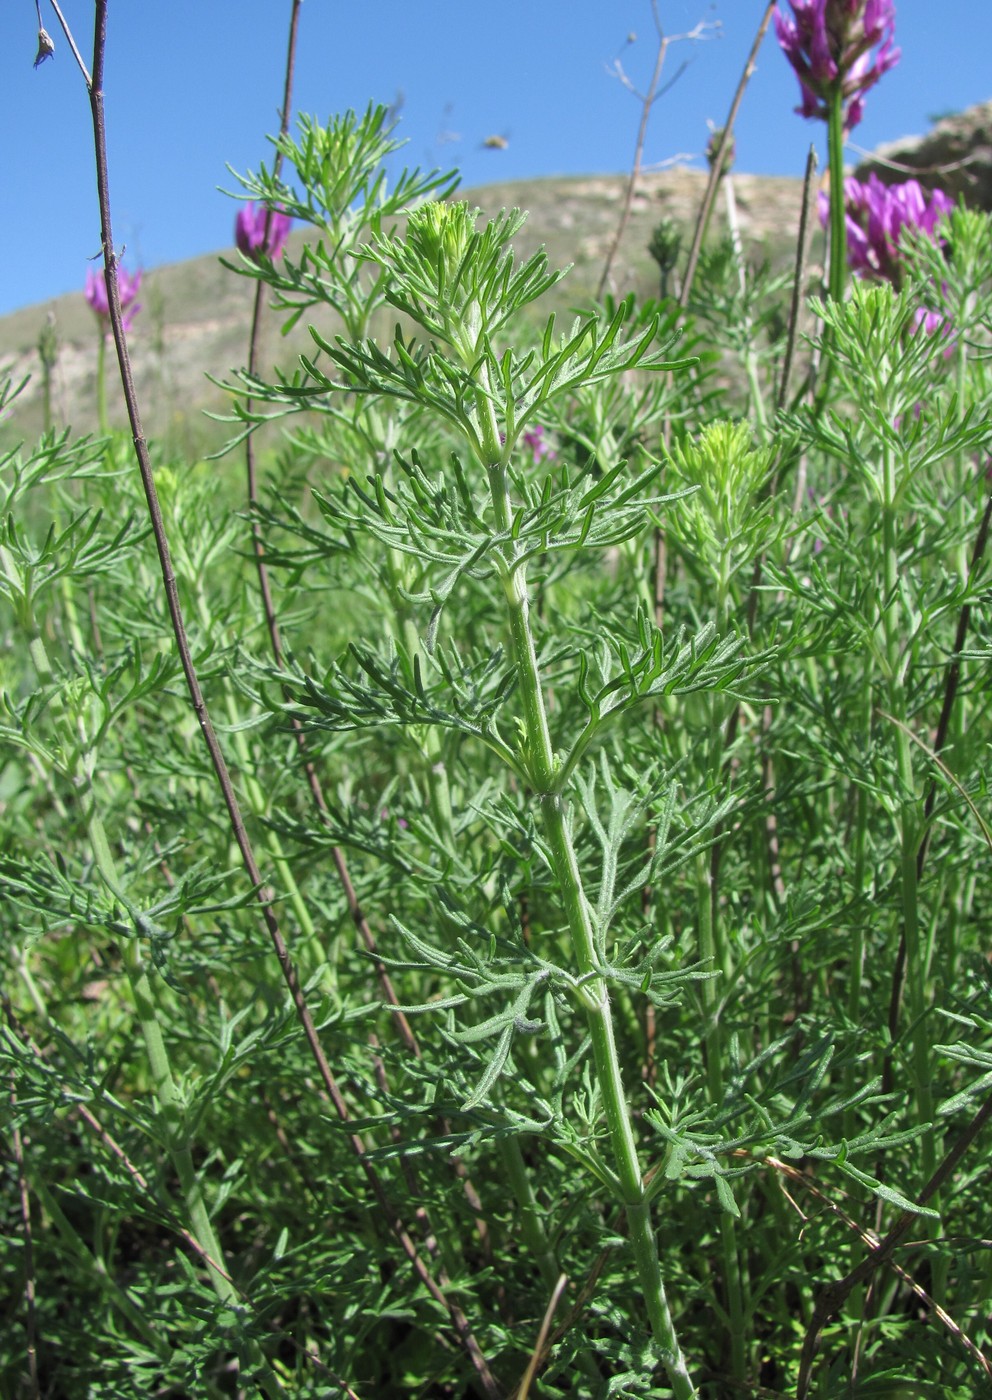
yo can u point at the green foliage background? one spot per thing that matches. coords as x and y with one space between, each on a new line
744 612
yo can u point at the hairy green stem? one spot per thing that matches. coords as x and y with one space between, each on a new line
838 228
541 1249
102 418
594 990
856 962
150 1020
894 630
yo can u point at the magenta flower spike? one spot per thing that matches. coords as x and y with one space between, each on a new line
829 44
877 214
128 286
249 231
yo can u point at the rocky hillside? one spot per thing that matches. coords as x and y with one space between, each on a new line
956 156
195 314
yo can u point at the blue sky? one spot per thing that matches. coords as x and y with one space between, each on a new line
193 85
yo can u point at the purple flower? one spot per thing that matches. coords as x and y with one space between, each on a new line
128 286
829 43
534 439
249 231
876 216
935 323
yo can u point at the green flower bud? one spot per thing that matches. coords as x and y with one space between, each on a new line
442 232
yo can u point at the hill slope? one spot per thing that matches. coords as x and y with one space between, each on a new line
196 314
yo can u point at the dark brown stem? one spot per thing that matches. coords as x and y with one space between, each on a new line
265 586
660 560
263 893
647 102
255 337
799 278
951 683
833 1297
357 913
716 167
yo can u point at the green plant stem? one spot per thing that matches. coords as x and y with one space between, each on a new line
171 1110
894 630
838 228
117 1296
534 1233
149 1019
714 955
102 419
405 631
594 991
750 354
163 1082
433 748
259 806
856 962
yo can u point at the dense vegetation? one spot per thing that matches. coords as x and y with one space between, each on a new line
578 985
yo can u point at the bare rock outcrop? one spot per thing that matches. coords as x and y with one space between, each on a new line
956 156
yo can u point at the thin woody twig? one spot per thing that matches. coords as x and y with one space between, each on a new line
716 167
834 1295
647 100
798 279
72 44
263 893
355 910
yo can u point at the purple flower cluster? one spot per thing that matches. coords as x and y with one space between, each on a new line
249 231
829 44
128 285
877 214
534 439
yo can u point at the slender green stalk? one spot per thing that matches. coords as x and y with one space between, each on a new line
595 993
116 1295
541 1248
433 747
102 418
856 961
169 1101
894 630
750 356
714 954
404 630
838 229
150 1020
259 805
